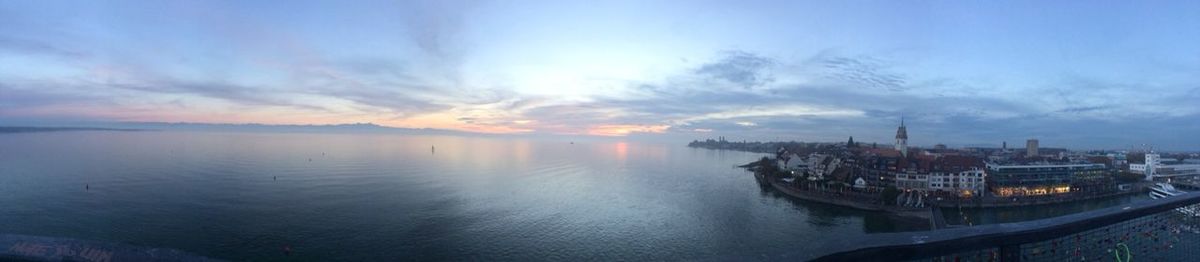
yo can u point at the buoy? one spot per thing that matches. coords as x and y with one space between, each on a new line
275 178
87 187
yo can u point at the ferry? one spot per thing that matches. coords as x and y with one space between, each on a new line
1164 190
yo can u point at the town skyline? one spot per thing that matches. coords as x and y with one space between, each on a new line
901 141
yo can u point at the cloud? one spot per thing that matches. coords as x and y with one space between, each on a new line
701 99
739 68
1082 109
229 92
865 72
34 95
686 101
623 130
28 46
376 67
774 110
436 28
860 97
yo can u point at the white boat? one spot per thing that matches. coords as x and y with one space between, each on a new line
1164 190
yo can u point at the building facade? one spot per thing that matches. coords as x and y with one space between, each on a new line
1043 179
965 183
1148 168
912 181
1155 169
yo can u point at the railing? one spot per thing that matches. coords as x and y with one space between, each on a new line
1156 230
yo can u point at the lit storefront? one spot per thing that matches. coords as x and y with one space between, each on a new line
1039 180
1031 191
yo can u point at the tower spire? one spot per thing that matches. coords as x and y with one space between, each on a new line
902 138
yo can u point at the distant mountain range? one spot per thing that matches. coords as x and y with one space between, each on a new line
338 128
28 129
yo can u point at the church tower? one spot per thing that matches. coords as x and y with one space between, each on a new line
902 139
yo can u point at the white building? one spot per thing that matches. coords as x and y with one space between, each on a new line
1154 168
821 165
912 181
792 162
1146 168
969 182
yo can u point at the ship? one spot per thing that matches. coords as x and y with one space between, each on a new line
1165 190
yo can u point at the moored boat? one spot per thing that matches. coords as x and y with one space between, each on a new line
1165 190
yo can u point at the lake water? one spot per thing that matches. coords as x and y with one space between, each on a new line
243 196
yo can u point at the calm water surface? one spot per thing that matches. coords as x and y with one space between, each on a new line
242 196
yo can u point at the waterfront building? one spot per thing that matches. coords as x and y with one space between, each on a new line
961 175
1006 180
1094 180
912 181
912 173
1177 169
792 162
1156 170
902 139
1118 159
965 183
1147 168
875 169
821 165
1106 160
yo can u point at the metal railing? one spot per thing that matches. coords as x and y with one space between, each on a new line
1156 230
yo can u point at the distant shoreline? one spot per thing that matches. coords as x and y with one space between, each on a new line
32 129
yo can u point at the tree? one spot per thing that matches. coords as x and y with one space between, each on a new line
851 142
766 166
889 194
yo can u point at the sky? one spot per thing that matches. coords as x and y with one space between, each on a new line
1080 74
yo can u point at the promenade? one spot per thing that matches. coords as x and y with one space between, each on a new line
847 198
